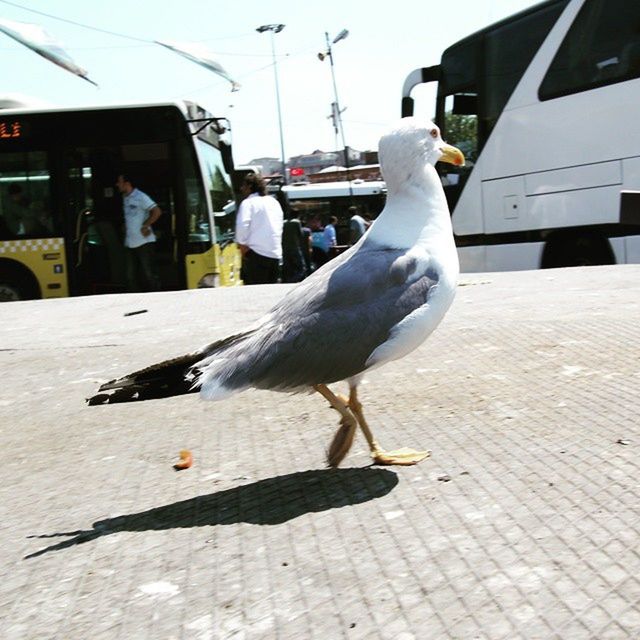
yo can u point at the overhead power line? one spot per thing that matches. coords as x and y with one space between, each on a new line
73 22
107 31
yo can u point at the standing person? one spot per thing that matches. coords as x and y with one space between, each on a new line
307 251
140 212
330 238
259 232
319 249
357 225
293 267
294 245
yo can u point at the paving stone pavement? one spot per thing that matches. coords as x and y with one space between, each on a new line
524 523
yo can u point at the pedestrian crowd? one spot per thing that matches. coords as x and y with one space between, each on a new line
277 244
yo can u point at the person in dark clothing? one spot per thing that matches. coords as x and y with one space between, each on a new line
293 245
306 245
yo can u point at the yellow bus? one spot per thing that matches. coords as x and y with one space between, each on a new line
61 218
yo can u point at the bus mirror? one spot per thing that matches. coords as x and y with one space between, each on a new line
465 105
407 107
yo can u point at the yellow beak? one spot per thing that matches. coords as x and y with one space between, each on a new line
452 155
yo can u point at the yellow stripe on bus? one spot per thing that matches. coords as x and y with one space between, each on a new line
45 259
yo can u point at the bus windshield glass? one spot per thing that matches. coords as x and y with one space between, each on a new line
218 184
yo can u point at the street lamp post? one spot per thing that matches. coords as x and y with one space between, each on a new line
336 111
273 29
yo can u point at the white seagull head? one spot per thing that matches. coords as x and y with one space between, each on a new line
410 145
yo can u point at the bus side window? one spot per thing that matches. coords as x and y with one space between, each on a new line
601 47
24 196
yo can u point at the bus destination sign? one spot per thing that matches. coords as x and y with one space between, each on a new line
11 129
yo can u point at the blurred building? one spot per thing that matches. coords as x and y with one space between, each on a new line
364 172
323 166
305 165
268 166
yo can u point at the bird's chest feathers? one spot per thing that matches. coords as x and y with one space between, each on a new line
412 219
433 266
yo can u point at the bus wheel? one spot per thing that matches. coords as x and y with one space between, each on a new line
578 250
9 292
16 283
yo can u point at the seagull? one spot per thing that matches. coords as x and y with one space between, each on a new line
373 304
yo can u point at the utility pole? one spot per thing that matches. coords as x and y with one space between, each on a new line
273 29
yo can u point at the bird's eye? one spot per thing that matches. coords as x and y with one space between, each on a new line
434 133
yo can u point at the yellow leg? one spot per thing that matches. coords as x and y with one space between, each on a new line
404 456
343 439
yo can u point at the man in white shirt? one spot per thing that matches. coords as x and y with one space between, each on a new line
259 232
140 212
357 225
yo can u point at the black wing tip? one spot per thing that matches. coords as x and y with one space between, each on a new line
99 398
118 394
117 383
139 392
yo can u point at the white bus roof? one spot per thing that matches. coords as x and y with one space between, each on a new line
335 189
353 168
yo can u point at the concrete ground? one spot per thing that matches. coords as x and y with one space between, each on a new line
524 523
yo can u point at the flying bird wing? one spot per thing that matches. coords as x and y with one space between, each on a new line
200 55
37 39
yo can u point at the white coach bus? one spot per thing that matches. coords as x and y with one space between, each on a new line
546 104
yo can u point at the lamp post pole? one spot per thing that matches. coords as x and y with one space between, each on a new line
273 29
338 112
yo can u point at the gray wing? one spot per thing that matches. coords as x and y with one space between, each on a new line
327 327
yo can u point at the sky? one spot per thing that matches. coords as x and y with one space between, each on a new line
386 42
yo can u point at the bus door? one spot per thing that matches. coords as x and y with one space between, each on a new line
153 171
97 259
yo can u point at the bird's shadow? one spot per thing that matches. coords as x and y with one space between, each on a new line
268 502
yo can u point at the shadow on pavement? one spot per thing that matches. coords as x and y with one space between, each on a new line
271 501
